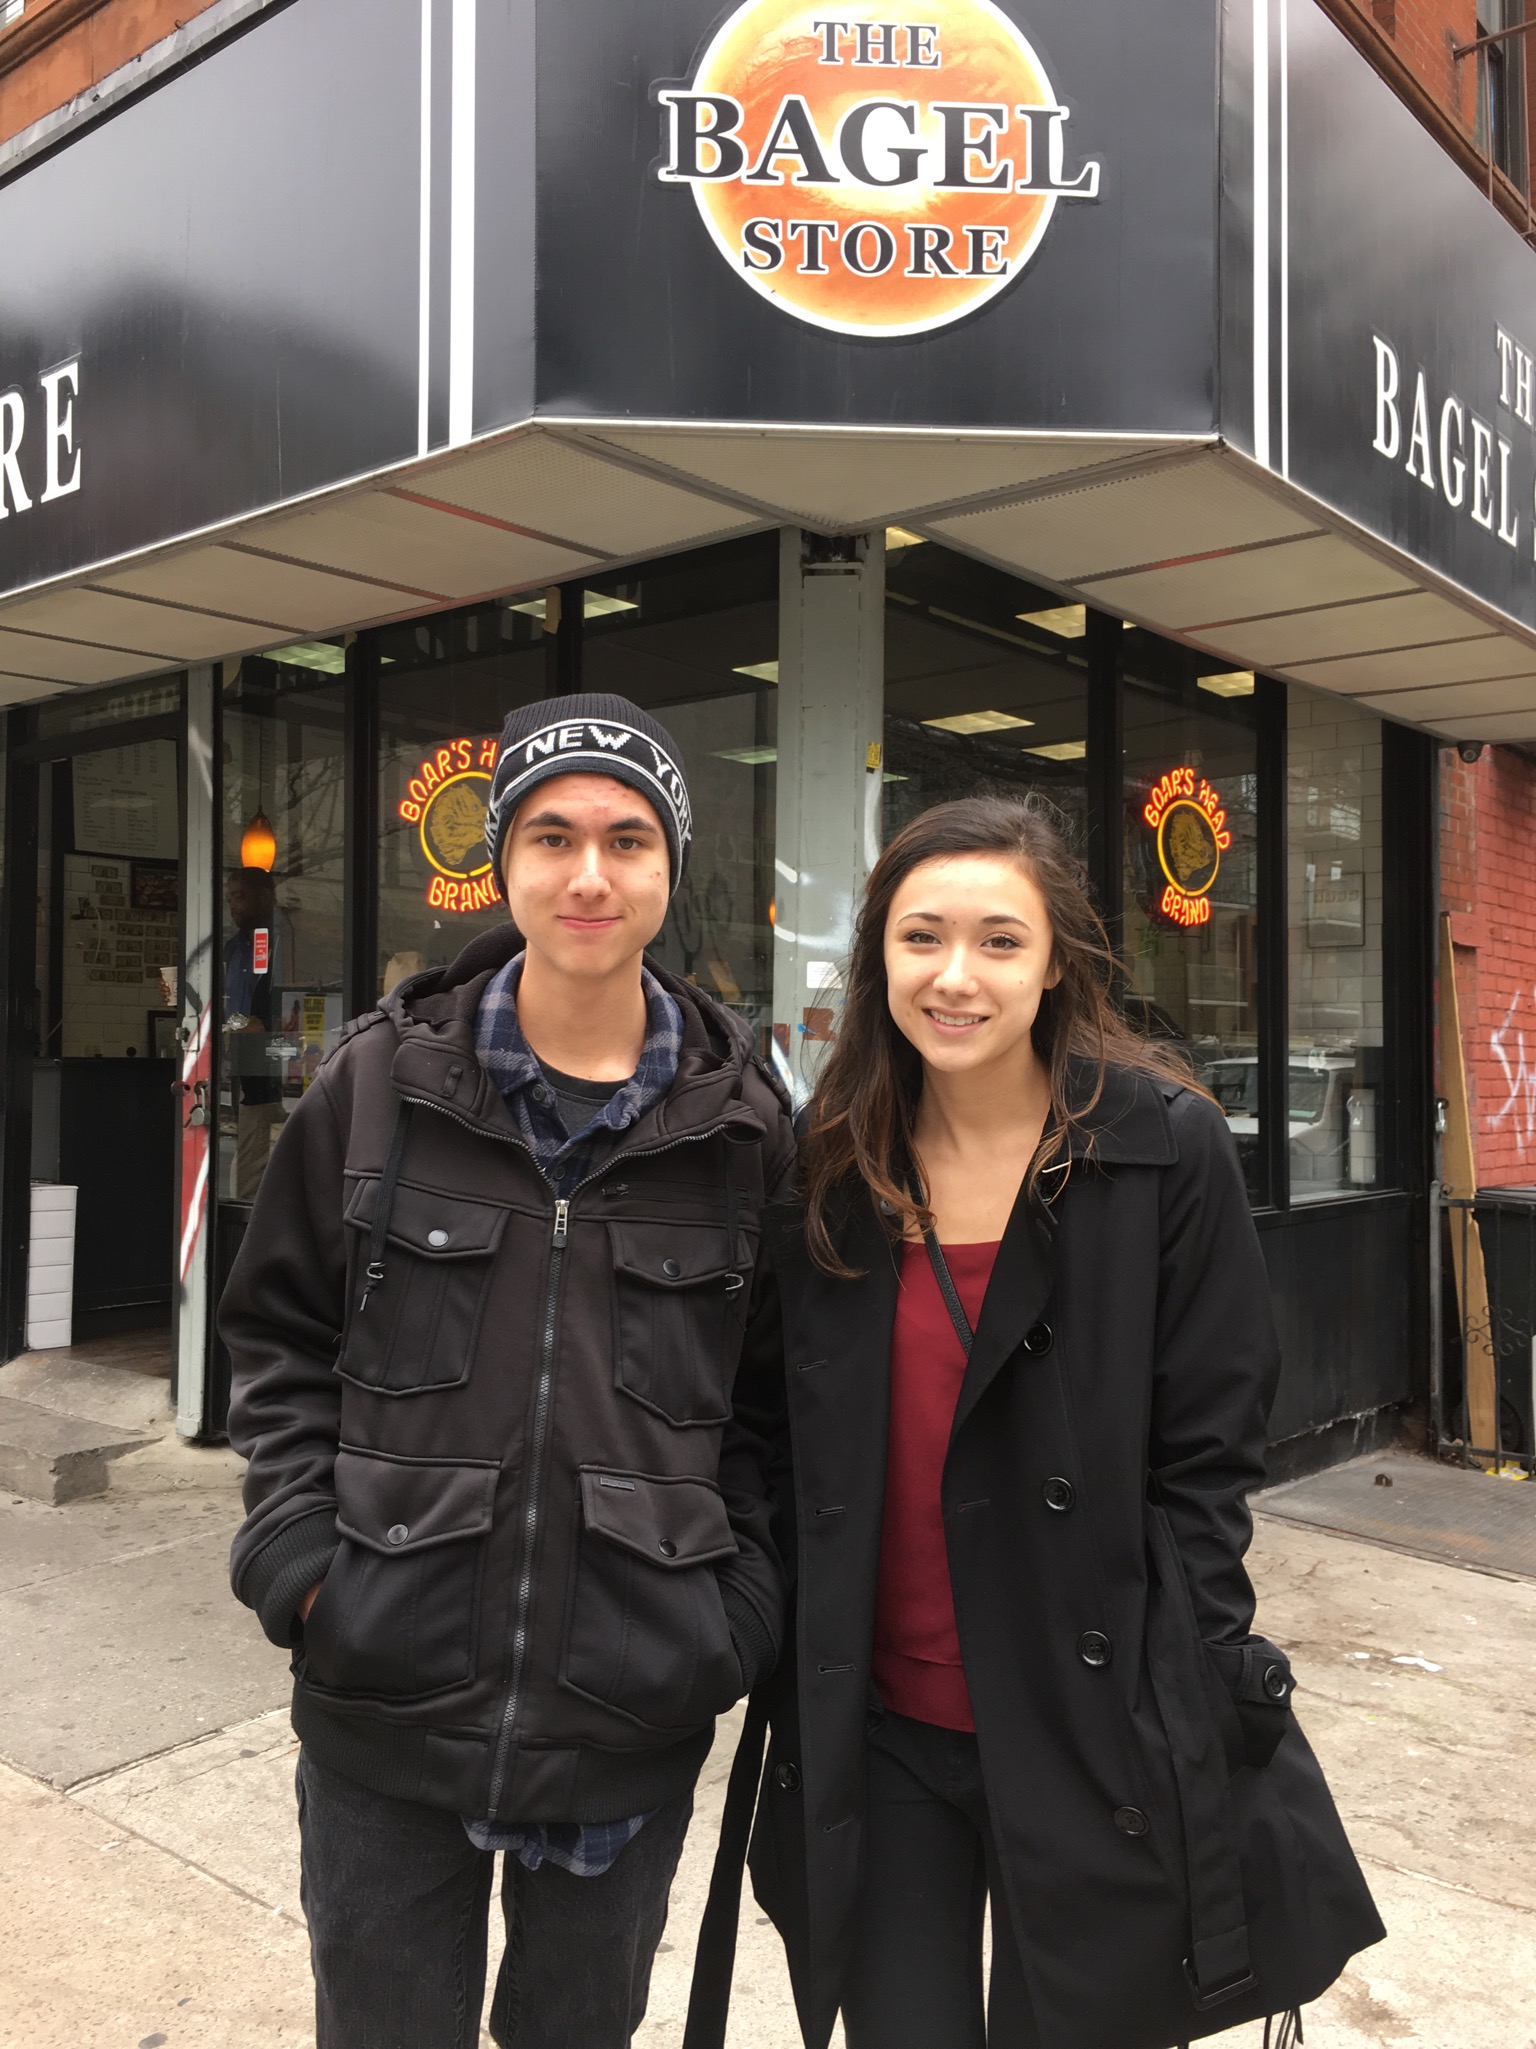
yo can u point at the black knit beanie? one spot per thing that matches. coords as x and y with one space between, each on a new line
591 734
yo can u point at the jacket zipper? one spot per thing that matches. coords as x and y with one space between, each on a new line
533 1509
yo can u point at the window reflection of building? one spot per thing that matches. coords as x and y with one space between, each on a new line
985 685
1334 839
280 954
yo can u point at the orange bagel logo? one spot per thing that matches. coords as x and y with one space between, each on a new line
446 801
872 176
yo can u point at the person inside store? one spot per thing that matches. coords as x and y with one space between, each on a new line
1029 1357
505 1365
250 971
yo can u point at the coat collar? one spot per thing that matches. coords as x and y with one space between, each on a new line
1129 1125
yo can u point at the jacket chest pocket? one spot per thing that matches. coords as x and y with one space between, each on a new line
647 1632
415 1327
396 1613
679 1313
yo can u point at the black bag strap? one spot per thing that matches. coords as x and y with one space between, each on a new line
944 1277
714 1959
383 1204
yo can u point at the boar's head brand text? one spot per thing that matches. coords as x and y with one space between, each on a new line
872 176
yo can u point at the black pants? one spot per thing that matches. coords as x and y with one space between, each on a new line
915 1979
397 1898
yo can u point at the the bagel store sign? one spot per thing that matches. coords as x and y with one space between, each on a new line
1188 822
872 176
446 801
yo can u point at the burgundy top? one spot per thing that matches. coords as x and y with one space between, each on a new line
916 1665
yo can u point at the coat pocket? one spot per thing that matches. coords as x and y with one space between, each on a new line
679 1314
647 1633
396 1614
420 1323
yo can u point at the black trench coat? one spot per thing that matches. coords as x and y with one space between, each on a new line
1164 1883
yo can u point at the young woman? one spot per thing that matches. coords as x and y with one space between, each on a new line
1029 1356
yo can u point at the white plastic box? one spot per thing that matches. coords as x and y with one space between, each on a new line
51 1267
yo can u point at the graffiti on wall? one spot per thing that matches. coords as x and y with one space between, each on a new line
1507 1043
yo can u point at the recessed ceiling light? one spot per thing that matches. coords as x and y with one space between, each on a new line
1230 683
760 672
978 722
1060 750
594 605
749 757
321 655
1068 622
901 537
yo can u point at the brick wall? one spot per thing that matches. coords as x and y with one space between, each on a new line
1488 887
1422 33
47 70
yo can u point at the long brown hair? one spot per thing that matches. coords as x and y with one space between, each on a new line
865 1106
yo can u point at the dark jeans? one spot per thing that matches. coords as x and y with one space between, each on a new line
397 1898
915 1978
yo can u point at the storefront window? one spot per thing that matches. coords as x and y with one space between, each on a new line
1335 895
283 863
1191 871
986 682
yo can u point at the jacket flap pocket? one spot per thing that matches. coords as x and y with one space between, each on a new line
434 1226
393 1504
671 1255
668 1523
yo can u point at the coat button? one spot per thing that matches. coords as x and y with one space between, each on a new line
787 1778
1276 1685
671 1269
1131 1821
667 1548
1094 1648
437 1238
396 1533
1038 1339
1060 1495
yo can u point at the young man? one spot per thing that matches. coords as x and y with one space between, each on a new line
499 1289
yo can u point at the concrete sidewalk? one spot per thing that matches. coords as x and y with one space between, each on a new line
148 1868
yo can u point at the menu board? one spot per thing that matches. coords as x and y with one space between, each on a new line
126 801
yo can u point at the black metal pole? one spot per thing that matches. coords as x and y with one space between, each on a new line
360 891
18 1007
1105 768
1272 945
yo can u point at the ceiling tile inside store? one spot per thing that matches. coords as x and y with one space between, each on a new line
1400 620
286 597
446 554
63 661
578 498
1466 661
844 482
1189 507
125 622
1318 570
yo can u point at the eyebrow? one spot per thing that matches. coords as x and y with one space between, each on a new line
994 918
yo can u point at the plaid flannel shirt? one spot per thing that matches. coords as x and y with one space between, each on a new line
585 1849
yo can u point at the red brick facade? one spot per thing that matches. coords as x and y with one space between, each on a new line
1488 889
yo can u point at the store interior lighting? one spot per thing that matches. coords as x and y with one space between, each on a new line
749 757
969 722
258 843
1230 683
594 605
1060 750
1067 622
325 657
897 537
760 672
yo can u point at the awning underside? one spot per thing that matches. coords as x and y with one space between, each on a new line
1184 537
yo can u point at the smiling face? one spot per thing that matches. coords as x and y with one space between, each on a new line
587 874
968 955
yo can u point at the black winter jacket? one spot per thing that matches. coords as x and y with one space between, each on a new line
501 1427
1172 1862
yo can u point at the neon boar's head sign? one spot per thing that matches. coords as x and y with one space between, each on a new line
872 176
1186 814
